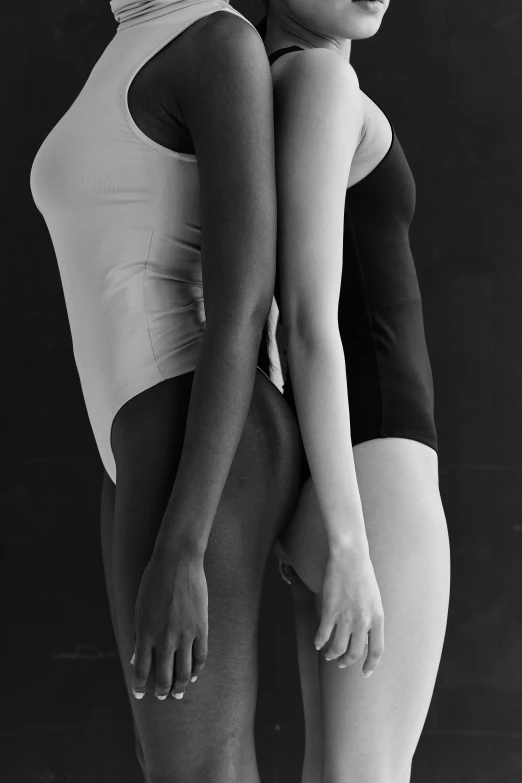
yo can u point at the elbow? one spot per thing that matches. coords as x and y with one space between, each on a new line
247 316
308 336
315 353
259 310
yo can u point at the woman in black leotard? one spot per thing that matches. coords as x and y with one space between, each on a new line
367 550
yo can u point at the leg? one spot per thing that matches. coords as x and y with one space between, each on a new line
306 623
108 499
371 727
207 736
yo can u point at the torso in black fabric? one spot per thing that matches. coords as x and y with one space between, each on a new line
390 386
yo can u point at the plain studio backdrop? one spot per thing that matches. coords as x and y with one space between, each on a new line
450 75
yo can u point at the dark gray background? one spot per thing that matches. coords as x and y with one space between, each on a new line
449 75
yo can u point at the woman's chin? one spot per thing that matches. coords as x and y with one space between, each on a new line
363 29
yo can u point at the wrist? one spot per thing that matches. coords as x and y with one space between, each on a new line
352 542
344 525
180 547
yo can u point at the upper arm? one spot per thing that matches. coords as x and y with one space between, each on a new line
226 100
318 116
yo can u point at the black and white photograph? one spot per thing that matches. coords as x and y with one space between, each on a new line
262 413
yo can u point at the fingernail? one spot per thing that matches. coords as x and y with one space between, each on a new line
133 659
193 679
368 674
137 694
317 646
342 665
161 698
178 695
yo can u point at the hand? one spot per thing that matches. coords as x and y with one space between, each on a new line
351 601
171 618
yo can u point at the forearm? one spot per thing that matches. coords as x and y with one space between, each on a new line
318 374
220 398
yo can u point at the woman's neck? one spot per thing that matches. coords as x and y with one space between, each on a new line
283 31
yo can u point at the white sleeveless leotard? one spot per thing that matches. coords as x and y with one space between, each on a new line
123 215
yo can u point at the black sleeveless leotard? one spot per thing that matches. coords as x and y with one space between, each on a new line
390 385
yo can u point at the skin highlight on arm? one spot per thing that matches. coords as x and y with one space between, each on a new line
318 115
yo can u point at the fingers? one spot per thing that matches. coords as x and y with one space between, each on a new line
182 668
283 572
355 650
142 663
199 653
339 642
375 649
175 667
350 641
164 669
324 631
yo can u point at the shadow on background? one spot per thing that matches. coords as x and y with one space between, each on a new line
450 77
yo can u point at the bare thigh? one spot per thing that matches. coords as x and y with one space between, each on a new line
107 503
371 726
207 736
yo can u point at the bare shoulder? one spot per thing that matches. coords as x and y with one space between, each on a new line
224 40
321 74
224 69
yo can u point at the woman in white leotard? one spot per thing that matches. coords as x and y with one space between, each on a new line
158 190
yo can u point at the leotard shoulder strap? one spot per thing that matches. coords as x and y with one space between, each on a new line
280 52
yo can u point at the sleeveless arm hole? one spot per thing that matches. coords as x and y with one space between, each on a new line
390 146
208 7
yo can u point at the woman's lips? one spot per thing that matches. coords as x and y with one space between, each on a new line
371 6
